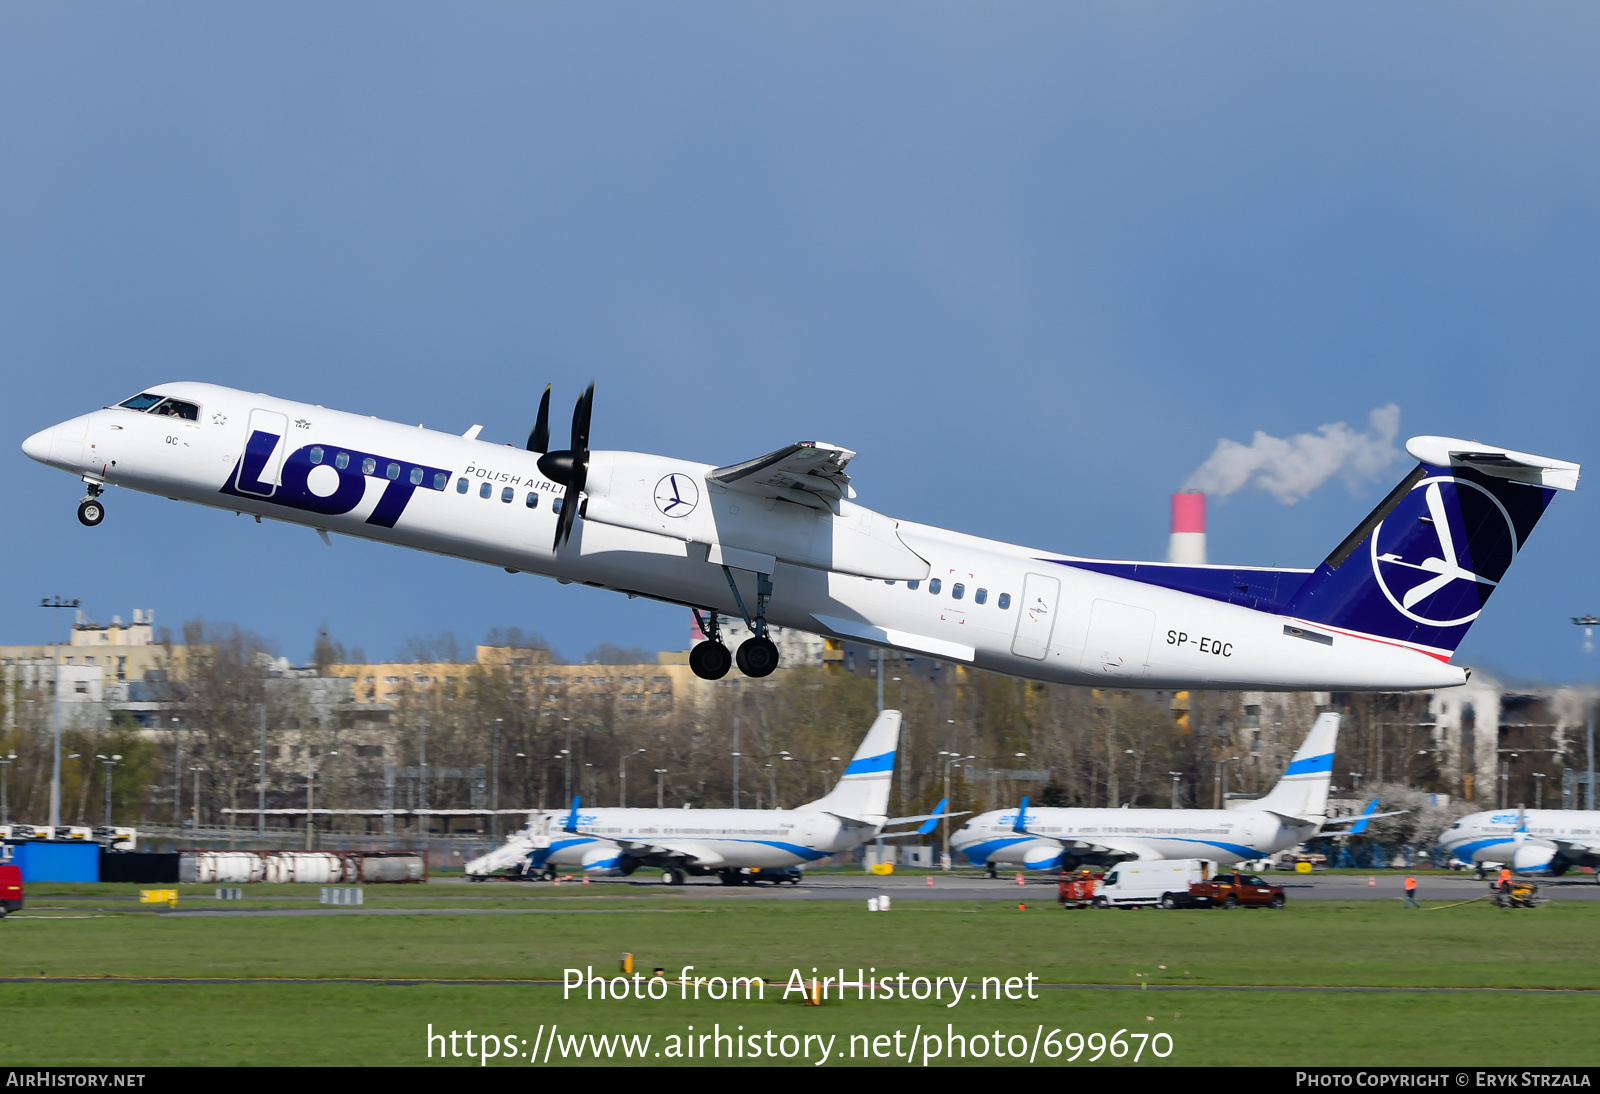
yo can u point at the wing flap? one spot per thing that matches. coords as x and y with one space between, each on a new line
810 466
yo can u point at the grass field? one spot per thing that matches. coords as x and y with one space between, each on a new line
1312 944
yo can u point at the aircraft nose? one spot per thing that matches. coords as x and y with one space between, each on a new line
38 446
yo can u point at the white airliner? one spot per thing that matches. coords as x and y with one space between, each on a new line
779 539
726 842
1048 838
1531 841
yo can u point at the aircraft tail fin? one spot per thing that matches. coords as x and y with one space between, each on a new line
1303 790
1422 564
862 792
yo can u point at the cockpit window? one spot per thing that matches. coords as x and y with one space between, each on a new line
141 402
177 408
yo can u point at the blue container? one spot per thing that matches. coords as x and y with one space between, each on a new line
45 860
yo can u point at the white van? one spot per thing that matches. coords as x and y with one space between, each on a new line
1131 883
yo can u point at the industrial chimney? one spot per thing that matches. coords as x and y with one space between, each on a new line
1188 543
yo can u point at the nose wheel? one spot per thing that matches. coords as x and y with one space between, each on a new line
90 510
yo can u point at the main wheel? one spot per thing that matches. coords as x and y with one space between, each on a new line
757 657
91 512
1230 902
710 660
1276 902
672 877
1100 902
1168 901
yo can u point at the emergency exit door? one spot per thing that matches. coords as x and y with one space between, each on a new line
1036 619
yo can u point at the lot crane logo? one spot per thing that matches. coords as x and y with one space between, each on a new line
677 495
1443 550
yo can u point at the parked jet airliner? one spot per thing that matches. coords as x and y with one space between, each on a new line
1531 841
714 841
1050 838
779 539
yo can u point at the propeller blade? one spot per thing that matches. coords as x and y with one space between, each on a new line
539 439
580 423
571 468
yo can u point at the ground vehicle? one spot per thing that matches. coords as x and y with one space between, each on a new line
1235 890
1161 881
10 889
1520 893
1077 888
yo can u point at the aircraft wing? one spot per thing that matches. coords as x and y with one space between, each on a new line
810 467
690 851
1577 850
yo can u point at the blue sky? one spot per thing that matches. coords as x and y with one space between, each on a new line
1032 261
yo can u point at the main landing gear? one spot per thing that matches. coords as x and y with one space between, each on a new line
90 509
757 655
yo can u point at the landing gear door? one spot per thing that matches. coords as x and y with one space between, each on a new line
264 447
1037 618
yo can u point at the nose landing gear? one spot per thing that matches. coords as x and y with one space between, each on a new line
90 510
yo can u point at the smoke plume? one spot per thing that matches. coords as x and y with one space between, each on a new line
1290 469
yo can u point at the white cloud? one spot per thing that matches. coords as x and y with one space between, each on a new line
1290 469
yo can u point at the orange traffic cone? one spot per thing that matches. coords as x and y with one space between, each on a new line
930 881
1372 882
586 880
1019 878
1022 907
558 879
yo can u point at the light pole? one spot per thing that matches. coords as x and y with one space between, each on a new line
196 803
261 780
1589 623
177 772
622 776
5 769
55 763
661 789
108 762
1355 779
772 776
311 775
1538 789
567 752
953 759
1220 775
1177 777
494 787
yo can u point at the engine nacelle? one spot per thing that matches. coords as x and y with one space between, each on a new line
606 861
1530 858
1042 856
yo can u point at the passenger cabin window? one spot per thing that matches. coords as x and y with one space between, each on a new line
461 486
934 586
316 454
440 478
416 476
141 402
485 490
342 460
957 591
555 506
507 494
392 471
369 466
912 584
980 596
177 408
533 499
1004 602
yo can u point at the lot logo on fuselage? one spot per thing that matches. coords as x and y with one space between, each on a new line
1443 550
329 481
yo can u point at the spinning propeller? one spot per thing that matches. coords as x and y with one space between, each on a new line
569 467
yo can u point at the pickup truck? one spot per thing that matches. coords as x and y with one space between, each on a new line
1229 891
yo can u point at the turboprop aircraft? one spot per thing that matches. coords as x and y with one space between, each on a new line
779 539
725 842
1532 841
1050 838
